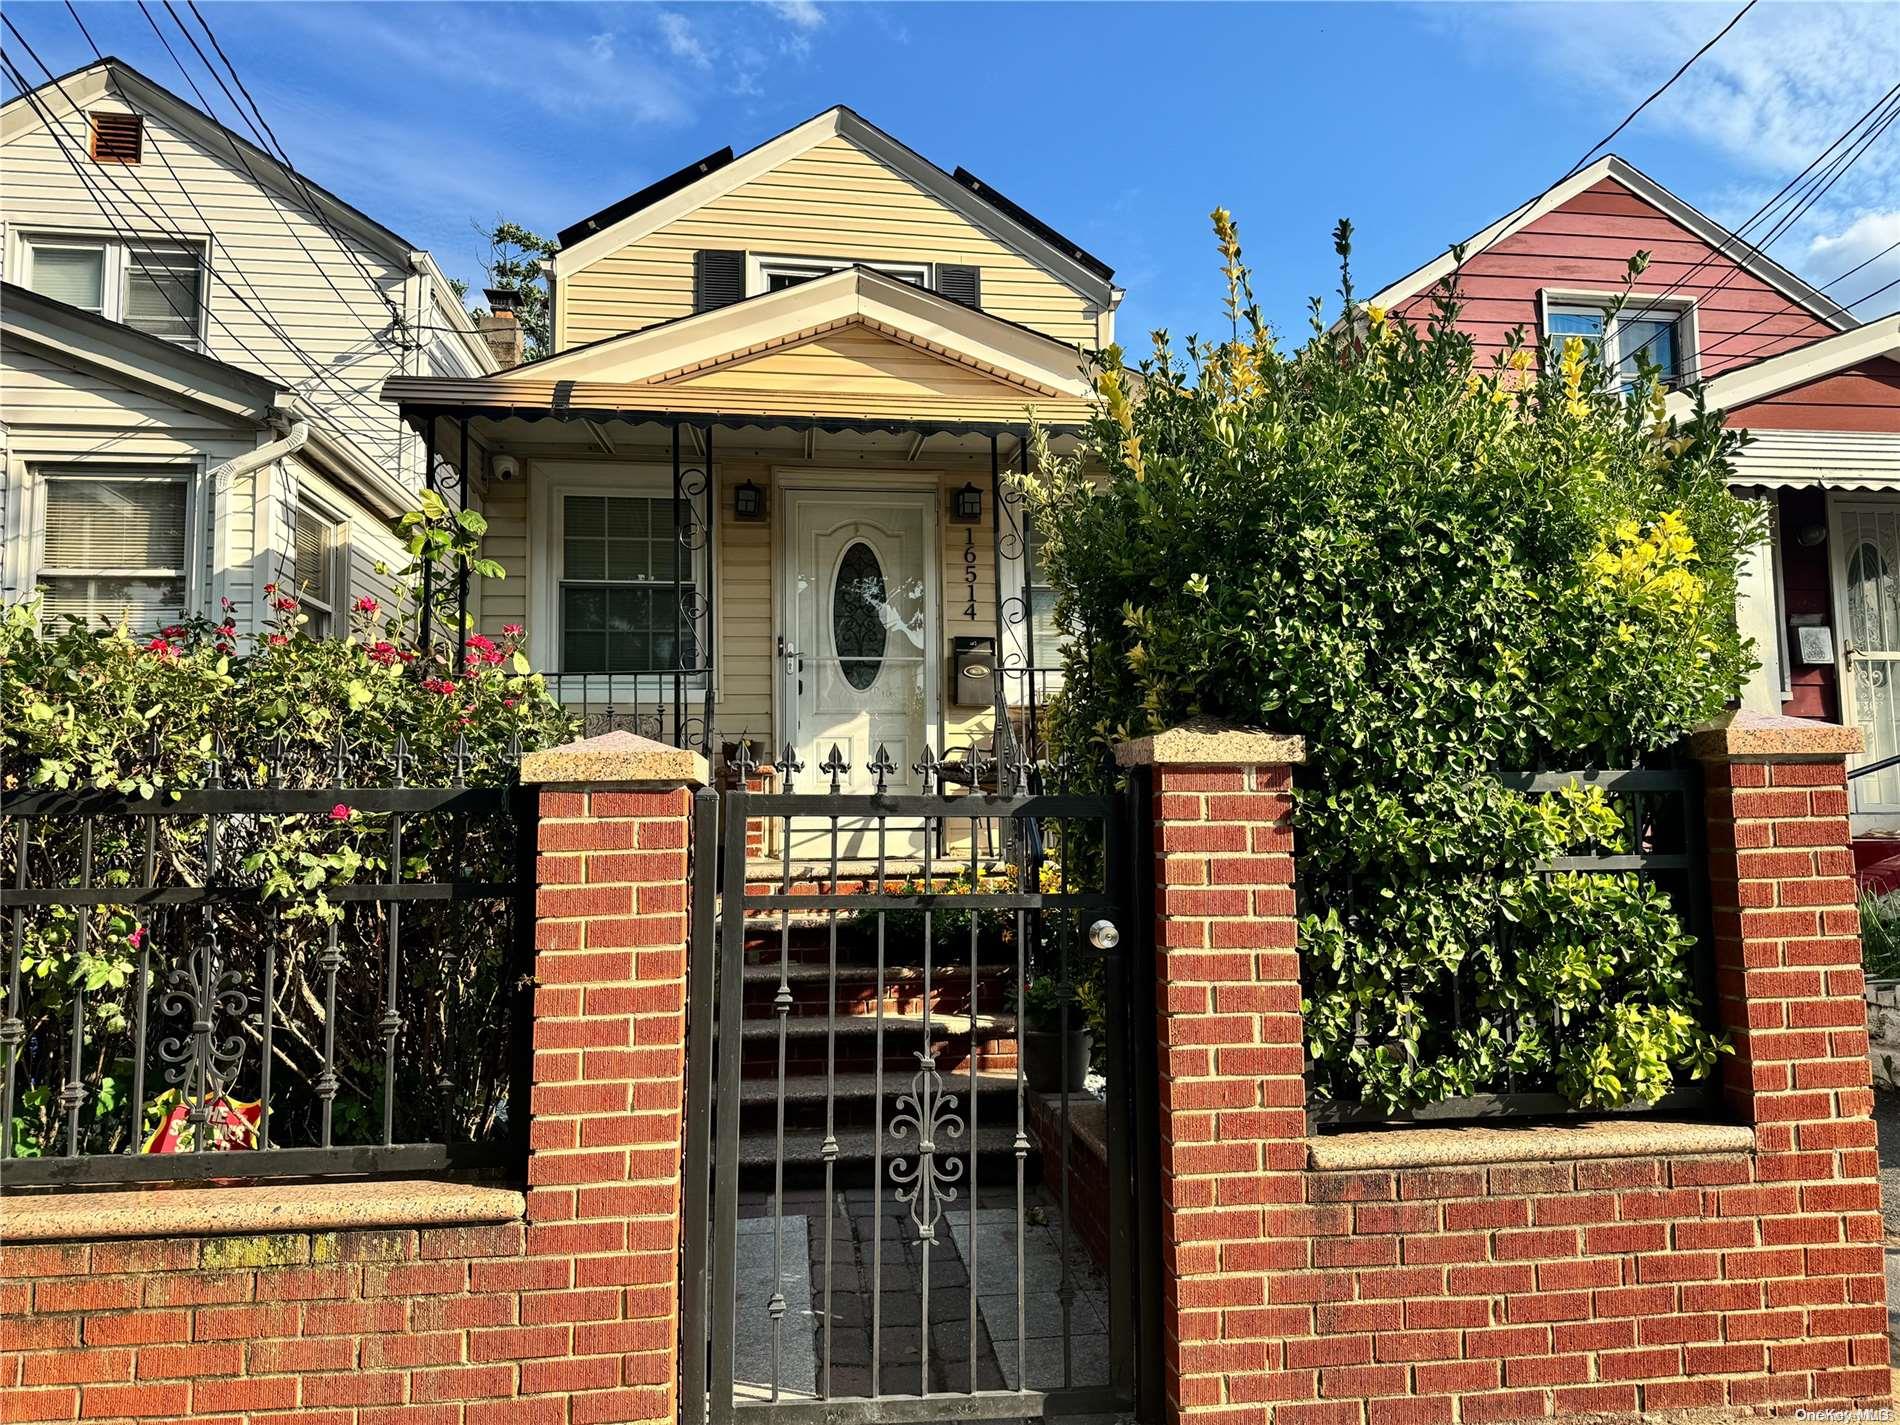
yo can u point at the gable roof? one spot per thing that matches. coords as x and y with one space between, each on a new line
76 89
638 214
994 370
1738 250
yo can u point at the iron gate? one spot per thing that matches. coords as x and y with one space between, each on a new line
917 1179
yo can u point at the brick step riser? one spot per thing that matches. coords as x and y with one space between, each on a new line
813 999
806 1058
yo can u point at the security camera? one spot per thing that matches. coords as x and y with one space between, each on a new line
505 467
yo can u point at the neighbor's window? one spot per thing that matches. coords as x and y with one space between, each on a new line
315 549
1644 329
620 610
156 287
115 547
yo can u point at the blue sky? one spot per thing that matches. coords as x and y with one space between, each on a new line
1122 125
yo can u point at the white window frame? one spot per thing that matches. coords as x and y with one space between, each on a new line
117 267
1682 309
41 476
554 482
336 532
762 267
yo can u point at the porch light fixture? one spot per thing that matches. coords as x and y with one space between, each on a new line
966 506
748 503
1811 536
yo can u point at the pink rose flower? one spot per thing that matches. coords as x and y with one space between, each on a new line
512 630
366 605
339 812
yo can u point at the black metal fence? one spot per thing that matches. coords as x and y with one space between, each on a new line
670 705
307 968
1662 841
910 1195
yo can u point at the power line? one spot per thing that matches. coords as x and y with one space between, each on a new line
129 238
259 308
276 150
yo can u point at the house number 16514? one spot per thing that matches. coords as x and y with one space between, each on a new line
969 571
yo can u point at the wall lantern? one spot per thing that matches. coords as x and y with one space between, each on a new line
966 506
1811 536
748 503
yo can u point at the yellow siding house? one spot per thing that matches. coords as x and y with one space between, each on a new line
758 493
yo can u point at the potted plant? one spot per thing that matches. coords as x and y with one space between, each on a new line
1052 1059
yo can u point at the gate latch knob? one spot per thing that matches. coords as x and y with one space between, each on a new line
1104 935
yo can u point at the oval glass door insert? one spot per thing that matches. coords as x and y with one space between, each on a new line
857 615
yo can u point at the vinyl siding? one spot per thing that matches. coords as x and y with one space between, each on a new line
65 415
263 250
1861 398
856 361
1586 244
833 201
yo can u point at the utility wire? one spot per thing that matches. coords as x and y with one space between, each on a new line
258 307
129 238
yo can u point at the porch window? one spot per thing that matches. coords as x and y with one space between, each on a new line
620 609
316 552
115 547
1652 330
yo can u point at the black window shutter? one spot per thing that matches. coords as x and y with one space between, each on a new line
960 284
718 279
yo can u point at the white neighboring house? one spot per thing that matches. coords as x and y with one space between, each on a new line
192 343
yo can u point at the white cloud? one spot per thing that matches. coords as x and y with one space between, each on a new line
1766 100
1866 247
803 14
682 41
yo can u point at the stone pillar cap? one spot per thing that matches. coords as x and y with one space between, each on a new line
614 758
1742 736
1206 742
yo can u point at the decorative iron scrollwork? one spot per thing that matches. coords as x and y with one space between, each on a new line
927 1181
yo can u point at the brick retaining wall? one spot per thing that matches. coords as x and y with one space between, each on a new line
1734 1268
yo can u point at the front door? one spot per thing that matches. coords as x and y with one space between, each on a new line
859 609
1867 574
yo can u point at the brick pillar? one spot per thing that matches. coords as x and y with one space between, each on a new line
609 1074
1791 991
1233 1091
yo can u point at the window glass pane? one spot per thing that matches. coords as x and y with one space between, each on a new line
1653 339
1584 324
161 290
114 524
75 276
618 610
145 604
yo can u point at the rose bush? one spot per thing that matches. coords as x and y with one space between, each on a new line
153 713
1439 571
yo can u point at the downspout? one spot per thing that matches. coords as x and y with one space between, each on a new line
222 476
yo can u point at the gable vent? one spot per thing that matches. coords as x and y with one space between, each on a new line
117 138
718 279
960 283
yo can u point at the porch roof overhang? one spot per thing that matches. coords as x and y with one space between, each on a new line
951 370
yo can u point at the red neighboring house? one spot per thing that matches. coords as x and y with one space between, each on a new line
1818 391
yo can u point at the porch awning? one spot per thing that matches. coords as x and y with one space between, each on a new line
1819 459
604 401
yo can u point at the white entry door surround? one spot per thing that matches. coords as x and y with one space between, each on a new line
1866 558
858 629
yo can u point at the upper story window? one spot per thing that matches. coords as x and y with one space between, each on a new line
1657 331
157 287
114 546
774 274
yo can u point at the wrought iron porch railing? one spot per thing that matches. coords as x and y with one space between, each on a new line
1661 811
248 979
670 705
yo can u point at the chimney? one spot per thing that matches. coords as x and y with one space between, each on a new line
501 326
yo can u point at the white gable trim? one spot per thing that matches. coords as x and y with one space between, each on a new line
837 121
1880 337
850 292
1740 252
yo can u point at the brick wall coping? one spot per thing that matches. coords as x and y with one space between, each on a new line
1203 742
1459 1147
241 1211
614 759
1750 737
